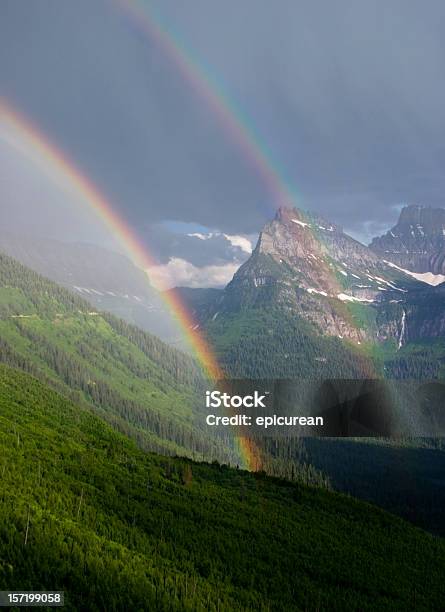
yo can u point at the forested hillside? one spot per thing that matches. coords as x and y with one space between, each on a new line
85 511
275 343
143 387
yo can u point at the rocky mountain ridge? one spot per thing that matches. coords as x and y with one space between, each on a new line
309 266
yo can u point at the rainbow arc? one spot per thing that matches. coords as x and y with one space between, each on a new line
23 136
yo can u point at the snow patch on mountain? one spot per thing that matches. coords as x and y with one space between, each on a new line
424 277
300 222
344 297
312 290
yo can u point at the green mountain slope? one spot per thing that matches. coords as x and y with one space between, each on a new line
271 342
145 388
84 510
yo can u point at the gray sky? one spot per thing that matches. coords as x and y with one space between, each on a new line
348 96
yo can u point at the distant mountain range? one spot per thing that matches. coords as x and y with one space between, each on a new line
108 280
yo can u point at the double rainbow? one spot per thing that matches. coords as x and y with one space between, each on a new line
22 135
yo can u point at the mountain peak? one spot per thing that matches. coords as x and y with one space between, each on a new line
431 219
291 214
285 213
417 241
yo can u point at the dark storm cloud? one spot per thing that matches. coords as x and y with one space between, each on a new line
121 110
348 95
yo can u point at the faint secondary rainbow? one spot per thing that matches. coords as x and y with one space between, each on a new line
203 83
234 122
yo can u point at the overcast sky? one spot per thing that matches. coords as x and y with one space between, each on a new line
347 96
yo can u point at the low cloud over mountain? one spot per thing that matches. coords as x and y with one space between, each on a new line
196 256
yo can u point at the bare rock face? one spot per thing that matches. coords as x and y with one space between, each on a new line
416 242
